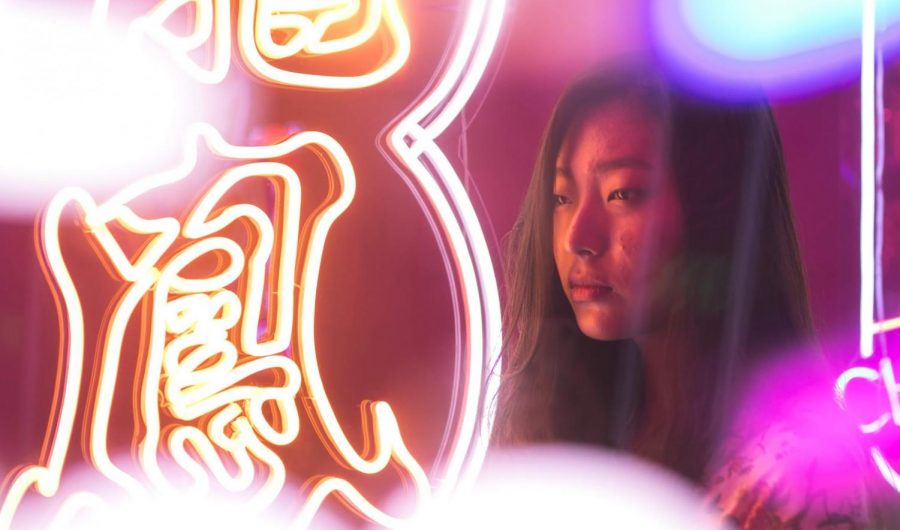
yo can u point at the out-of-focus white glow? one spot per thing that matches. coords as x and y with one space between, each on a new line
87 511
572 488
78 105
212 27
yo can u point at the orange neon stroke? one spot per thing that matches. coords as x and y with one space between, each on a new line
207 381
274 15
257 21
305 21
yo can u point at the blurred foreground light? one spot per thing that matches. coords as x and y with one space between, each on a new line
92 505
729 46
572 487
78 106
88 512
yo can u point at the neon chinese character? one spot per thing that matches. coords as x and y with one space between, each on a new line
199 402
226 353
285 41
211 29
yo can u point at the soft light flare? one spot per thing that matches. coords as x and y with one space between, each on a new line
569 487
79 105
86 511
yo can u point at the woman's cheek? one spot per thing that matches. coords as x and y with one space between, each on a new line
631 243
645 249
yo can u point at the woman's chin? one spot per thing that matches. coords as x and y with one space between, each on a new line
603 327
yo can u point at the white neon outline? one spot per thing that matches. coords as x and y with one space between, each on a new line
887 471
252 47
867 182
413 142
840 389
871 321
871 198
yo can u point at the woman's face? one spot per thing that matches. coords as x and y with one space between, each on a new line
617 221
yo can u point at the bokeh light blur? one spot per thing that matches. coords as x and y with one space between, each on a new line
573 487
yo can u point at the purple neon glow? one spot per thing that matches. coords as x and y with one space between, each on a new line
788 405
799 46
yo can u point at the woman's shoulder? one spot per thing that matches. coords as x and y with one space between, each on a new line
784 476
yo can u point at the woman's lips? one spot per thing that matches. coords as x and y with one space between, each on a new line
589 292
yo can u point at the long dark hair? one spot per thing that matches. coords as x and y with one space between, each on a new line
739 291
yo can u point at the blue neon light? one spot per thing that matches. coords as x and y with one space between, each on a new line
765 30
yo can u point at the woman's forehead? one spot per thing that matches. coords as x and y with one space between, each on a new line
614 134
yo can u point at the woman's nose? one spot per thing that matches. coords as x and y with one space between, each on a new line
588 233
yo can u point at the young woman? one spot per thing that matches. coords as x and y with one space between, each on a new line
653 267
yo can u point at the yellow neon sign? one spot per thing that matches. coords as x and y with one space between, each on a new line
302 26
196 402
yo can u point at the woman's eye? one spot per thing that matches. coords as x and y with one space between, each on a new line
626 194
559 200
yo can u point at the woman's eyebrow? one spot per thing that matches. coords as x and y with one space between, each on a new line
605 166
633 162
564 172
